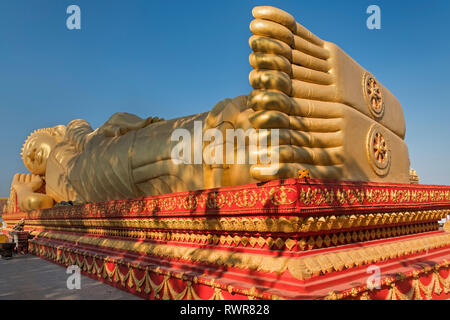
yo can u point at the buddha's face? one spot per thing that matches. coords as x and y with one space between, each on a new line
36 152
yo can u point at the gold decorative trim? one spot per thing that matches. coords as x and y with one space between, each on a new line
294 196
340 260
447 226
413 177
418 288
302 244
235 224
129 279
437 285
300 268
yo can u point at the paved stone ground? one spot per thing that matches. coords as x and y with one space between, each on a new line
30 277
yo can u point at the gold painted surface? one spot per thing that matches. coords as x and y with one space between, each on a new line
321 100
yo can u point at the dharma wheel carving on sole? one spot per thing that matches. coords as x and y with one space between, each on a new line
378 151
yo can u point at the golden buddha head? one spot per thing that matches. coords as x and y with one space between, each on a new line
38 146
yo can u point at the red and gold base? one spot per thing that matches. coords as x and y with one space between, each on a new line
291 239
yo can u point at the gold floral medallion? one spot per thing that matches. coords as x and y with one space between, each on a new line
373 96
378 152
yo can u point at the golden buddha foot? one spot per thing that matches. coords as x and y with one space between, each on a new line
332 120
335 118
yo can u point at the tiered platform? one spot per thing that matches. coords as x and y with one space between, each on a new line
291 239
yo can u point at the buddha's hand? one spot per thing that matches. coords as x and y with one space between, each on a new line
26 182
120 123
25 186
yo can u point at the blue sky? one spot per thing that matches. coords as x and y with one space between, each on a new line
171 58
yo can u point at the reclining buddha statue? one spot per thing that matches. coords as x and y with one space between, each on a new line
333 118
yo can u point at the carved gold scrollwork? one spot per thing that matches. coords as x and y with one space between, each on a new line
279 196
263 196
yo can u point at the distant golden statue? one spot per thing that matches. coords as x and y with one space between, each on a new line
334 120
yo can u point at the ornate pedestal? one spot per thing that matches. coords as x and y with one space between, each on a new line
291 239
